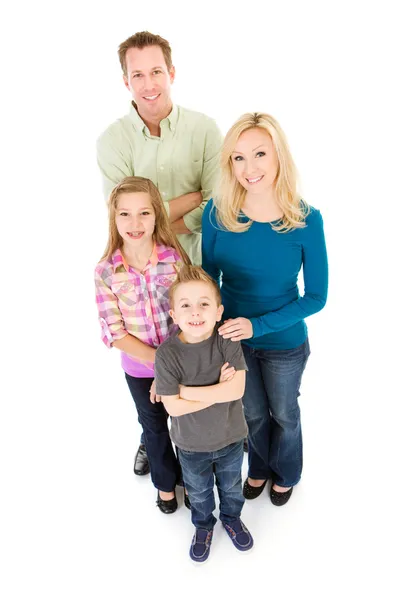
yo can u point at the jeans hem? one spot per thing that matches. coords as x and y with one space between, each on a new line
230 519
207 527
284 484
263 476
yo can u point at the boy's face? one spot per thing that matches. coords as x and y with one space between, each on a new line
195 310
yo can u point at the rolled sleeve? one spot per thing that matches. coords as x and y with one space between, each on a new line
111 322
112 159
193 218
212 149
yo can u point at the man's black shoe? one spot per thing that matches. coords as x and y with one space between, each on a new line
141 465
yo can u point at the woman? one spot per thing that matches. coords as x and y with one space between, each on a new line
257 235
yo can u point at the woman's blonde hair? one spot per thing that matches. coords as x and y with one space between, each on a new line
163 233
231 194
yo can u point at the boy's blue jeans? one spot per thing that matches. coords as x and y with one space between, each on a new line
198 470
272 412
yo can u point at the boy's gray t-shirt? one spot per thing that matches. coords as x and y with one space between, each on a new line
200 364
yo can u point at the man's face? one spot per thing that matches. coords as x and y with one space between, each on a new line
149 81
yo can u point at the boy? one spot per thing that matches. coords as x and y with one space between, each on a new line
200 378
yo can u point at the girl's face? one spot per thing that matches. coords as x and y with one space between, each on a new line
135 219
254 161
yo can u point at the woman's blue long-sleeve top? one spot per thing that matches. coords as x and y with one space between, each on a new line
258 270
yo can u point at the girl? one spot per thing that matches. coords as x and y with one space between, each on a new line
257 235
132 281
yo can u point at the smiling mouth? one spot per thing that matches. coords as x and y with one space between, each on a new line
135 234
196 323
254 180
151 98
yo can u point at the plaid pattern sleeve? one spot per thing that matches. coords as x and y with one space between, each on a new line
112 324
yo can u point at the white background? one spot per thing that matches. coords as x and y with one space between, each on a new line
76 522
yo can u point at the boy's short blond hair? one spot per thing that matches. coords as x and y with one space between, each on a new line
190 273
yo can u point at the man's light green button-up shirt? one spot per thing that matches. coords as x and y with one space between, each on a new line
183 159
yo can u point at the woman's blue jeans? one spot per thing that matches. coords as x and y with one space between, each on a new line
272 413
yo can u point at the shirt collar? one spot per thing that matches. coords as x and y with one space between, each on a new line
164 254
140 125
161 253
118 260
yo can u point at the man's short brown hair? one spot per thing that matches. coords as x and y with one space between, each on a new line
190 273
141 40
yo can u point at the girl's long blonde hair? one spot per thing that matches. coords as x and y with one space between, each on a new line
163 233
230 194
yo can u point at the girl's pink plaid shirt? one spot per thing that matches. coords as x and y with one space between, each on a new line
130 302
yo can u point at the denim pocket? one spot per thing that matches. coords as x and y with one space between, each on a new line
187 452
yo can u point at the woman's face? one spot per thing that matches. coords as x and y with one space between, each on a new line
254 161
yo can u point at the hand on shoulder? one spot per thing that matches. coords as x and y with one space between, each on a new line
236 329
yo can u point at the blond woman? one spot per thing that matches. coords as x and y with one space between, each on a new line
258 234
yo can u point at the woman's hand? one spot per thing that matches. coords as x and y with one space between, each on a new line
236 329
227 373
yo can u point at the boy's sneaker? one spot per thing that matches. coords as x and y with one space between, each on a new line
201 542
239 534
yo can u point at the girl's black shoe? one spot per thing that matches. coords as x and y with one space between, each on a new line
166 506
279 498
250 491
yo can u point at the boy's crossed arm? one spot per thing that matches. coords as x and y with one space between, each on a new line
193 399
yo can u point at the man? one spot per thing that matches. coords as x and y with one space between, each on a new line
178 149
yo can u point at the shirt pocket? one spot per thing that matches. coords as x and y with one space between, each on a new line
126 294
162 285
